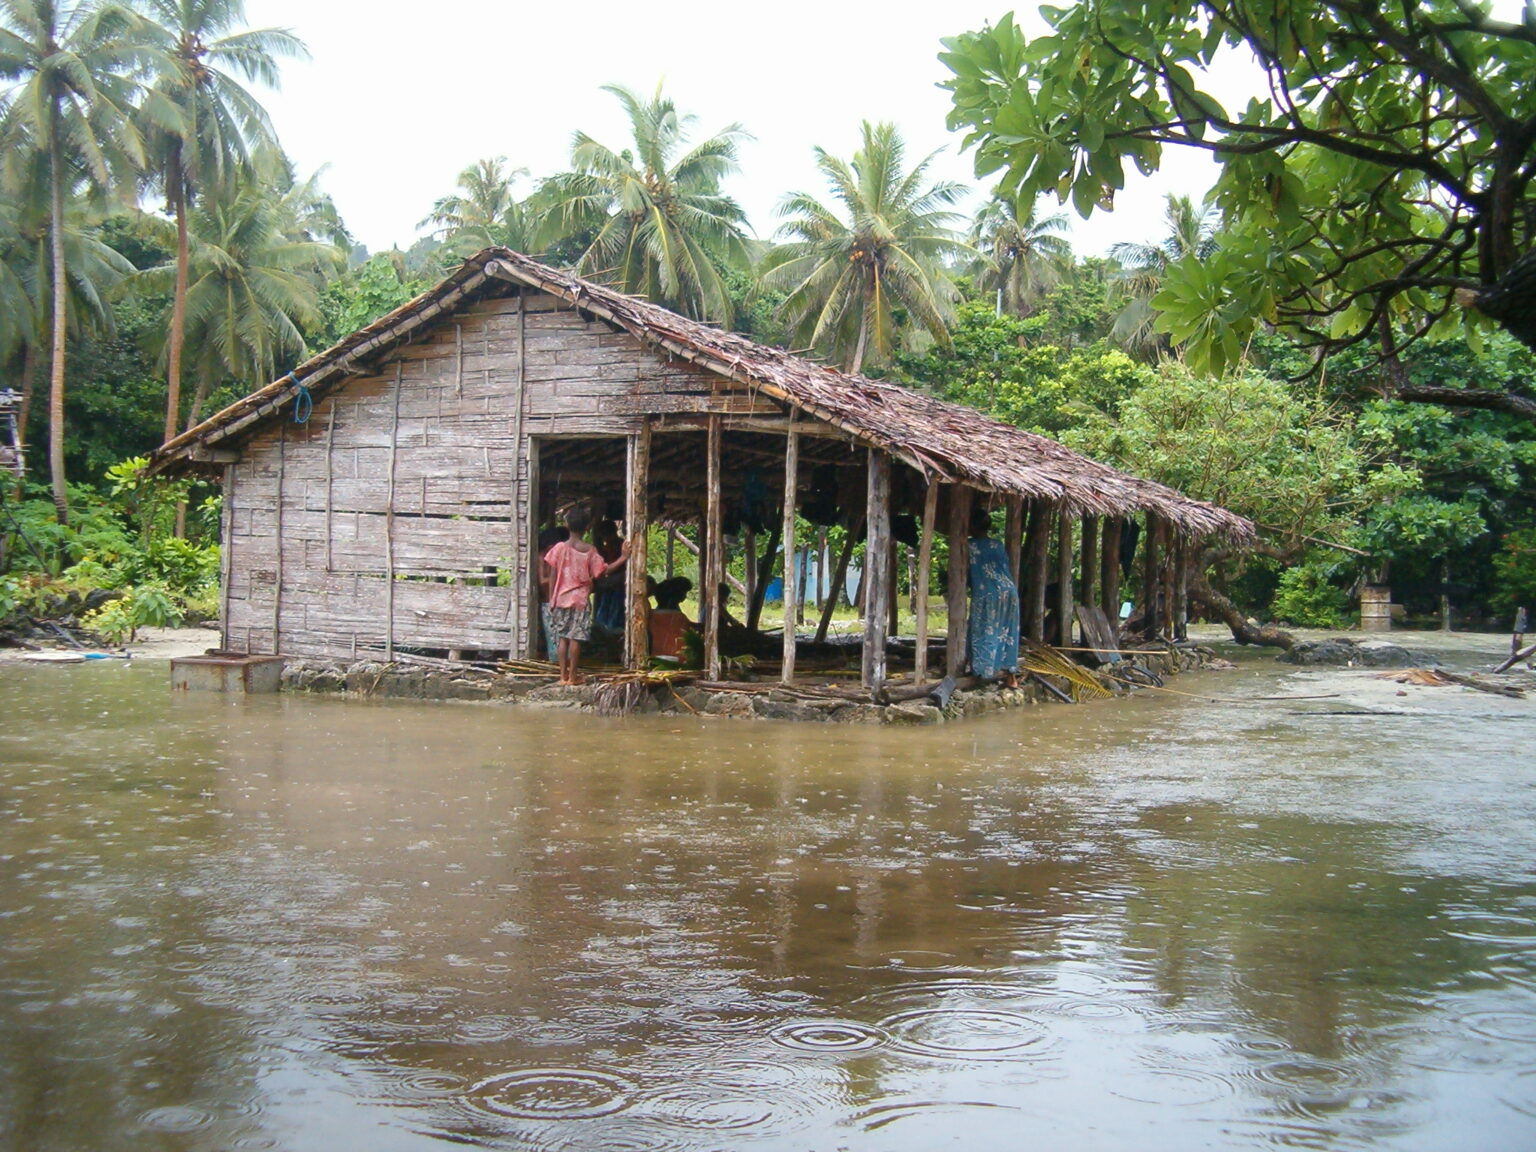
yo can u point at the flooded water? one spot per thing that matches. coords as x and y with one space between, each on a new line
1166 923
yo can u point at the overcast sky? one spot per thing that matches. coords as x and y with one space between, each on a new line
399 97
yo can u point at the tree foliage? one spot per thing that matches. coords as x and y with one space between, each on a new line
1386 163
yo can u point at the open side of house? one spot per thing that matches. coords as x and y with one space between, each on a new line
386 498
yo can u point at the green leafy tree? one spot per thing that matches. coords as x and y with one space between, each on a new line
1024 255
202 123
255 280
1385 167
362 294
658 222
1144 264
847 270
71 66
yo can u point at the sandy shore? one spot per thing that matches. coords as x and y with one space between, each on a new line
152 644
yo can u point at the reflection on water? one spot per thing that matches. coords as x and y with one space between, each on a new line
1162 923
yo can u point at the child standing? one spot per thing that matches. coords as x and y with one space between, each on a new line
569 569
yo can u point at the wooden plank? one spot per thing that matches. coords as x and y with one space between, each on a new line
227 553
791 557
637 487
714 552
924 575
956 657
522 565
330 481
1037 545
532 631
877 567
278 538
389 531
1064 566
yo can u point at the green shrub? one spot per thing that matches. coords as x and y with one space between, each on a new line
1307 598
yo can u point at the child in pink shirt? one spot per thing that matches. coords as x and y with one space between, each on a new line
569 570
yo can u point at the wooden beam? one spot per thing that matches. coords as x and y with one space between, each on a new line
1089 568
694 550
226 555
389 522
537 648
330 470
791 560
1151 574
277 533
714 552
1109 570
637 486
924 574
877 567
1037 551
1064 566
525 560
1013 535
1182 550
955 655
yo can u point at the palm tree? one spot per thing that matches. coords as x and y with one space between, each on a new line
70 64
846 274
92 266
202 124
658 223
1023 255
483 211
254 284
1191 232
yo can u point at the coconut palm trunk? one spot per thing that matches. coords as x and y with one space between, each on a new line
178 300
60 332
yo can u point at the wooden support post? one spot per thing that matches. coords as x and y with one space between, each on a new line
637 608
537 648
226 554
1151 575
893 606
525 558
1037 558
389 523
277 532
671 551
1064 566
330 469
1109 569
955 655
877 568
924 574
1089 569
791 559
1013 535
839 579
714 552
1182 550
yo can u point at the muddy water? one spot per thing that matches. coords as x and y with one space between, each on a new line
1158 924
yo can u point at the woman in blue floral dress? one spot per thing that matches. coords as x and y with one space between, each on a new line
992 635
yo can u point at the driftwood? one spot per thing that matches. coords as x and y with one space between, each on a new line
1244 631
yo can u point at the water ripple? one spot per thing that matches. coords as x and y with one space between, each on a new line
552 1094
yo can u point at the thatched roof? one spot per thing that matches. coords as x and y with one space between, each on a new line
941 440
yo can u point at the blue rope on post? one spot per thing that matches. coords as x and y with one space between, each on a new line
303 402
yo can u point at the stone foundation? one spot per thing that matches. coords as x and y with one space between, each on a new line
370 678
